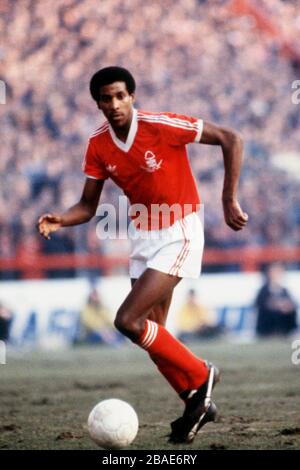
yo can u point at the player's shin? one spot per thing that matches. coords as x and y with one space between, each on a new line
181 368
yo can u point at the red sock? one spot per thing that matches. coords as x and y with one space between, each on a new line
183 370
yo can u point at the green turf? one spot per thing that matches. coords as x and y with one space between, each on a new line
46 397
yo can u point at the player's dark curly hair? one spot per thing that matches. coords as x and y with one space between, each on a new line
110 75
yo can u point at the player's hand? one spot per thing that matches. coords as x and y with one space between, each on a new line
48 223
233 214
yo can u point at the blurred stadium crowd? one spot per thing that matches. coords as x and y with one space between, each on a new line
188 56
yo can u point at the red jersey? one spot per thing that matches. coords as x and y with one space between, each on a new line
152 166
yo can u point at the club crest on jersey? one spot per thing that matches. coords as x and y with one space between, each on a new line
152 164
112 169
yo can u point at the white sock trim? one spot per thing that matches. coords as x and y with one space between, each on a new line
152 330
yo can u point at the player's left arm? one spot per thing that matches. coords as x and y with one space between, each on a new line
232 148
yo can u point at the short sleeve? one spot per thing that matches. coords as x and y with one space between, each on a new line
92 165
178 129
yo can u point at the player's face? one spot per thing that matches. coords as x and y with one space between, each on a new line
116 104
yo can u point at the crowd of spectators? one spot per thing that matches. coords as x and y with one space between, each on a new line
188 56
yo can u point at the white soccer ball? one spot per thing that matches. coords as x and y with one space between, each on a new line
113 424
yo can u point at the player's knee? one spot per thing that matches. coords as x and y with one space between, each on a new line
120 324
128 327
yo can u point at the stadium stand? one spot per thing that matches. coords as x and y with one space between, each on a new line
198 57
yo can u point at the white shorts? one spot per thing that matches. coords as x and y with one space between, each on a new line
176 250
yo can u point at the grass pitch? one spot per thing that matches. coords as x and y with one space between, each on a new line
46 397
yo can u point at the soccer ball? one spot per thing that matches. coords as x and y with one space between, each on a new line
113 424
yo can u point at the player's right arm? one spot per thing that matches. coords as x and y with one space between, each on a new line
80 213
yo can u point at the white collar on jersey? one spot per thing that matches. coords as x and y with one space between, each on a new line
125 146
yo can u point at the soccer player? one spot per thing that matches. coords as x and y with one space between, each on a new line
145 154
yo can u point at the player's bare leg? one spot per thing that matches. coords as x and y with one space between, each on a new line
159 312
153 288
